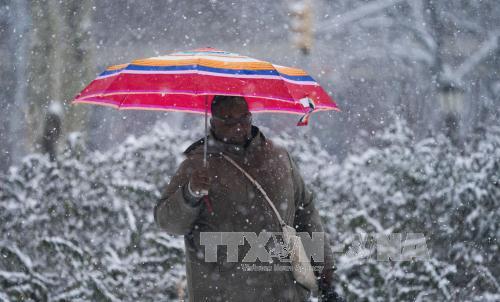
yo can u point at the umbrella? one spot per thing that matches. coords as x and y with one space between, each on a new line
188 80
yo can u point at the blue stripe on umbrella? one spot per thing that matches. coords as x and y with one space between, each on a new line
210 69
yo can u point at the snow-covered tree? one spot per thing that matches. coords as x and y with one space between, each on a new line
430 187
400 54
81 227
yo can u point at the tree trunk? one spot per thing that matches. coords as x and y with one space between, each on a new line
60 66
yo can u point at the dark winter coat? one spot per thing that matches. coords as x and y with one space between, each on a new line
237 206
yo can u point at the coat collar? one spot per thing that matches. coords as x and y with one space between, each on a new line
216 146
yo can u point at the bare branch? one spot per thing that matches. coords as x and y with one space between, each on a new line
356 14
484 50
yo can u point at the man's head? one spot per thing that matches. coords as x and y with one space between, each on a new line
231 120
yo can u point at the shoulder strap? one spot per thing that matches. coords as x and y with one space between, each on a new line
253 181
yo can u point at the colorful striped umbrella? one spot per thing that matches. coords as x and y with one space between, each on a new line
188 80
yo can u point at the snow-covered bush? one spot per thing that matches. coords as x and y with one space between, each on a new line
431 187
81 228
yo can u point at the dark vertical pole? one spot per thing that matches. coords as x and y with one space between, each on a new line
206 133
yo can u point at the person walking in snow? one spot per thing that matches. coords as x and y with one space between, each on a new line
219 198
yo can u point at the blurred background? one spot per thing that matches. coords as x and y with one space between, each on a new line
434 63
415 149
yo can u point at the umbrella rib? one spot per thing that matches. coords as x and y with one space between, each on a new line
116 79
125 96
283 82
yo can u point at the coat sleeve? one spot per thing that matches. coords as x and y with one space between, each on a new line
307 219
176 211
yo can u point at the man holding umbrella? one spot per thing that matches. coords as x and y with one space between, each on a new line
235 179
219 198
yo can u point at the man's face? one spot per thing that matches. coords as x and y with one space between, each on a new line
233 124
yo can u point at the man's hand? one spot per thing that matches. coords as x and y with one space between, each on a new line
199 181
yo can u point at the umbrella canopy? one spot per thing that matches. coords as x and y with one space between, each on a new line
184 81
188 80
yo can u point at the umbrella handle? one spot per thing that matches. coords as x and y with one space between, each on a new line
208 203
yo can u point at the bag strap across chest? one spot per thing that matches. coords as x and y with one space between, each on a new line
259 187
